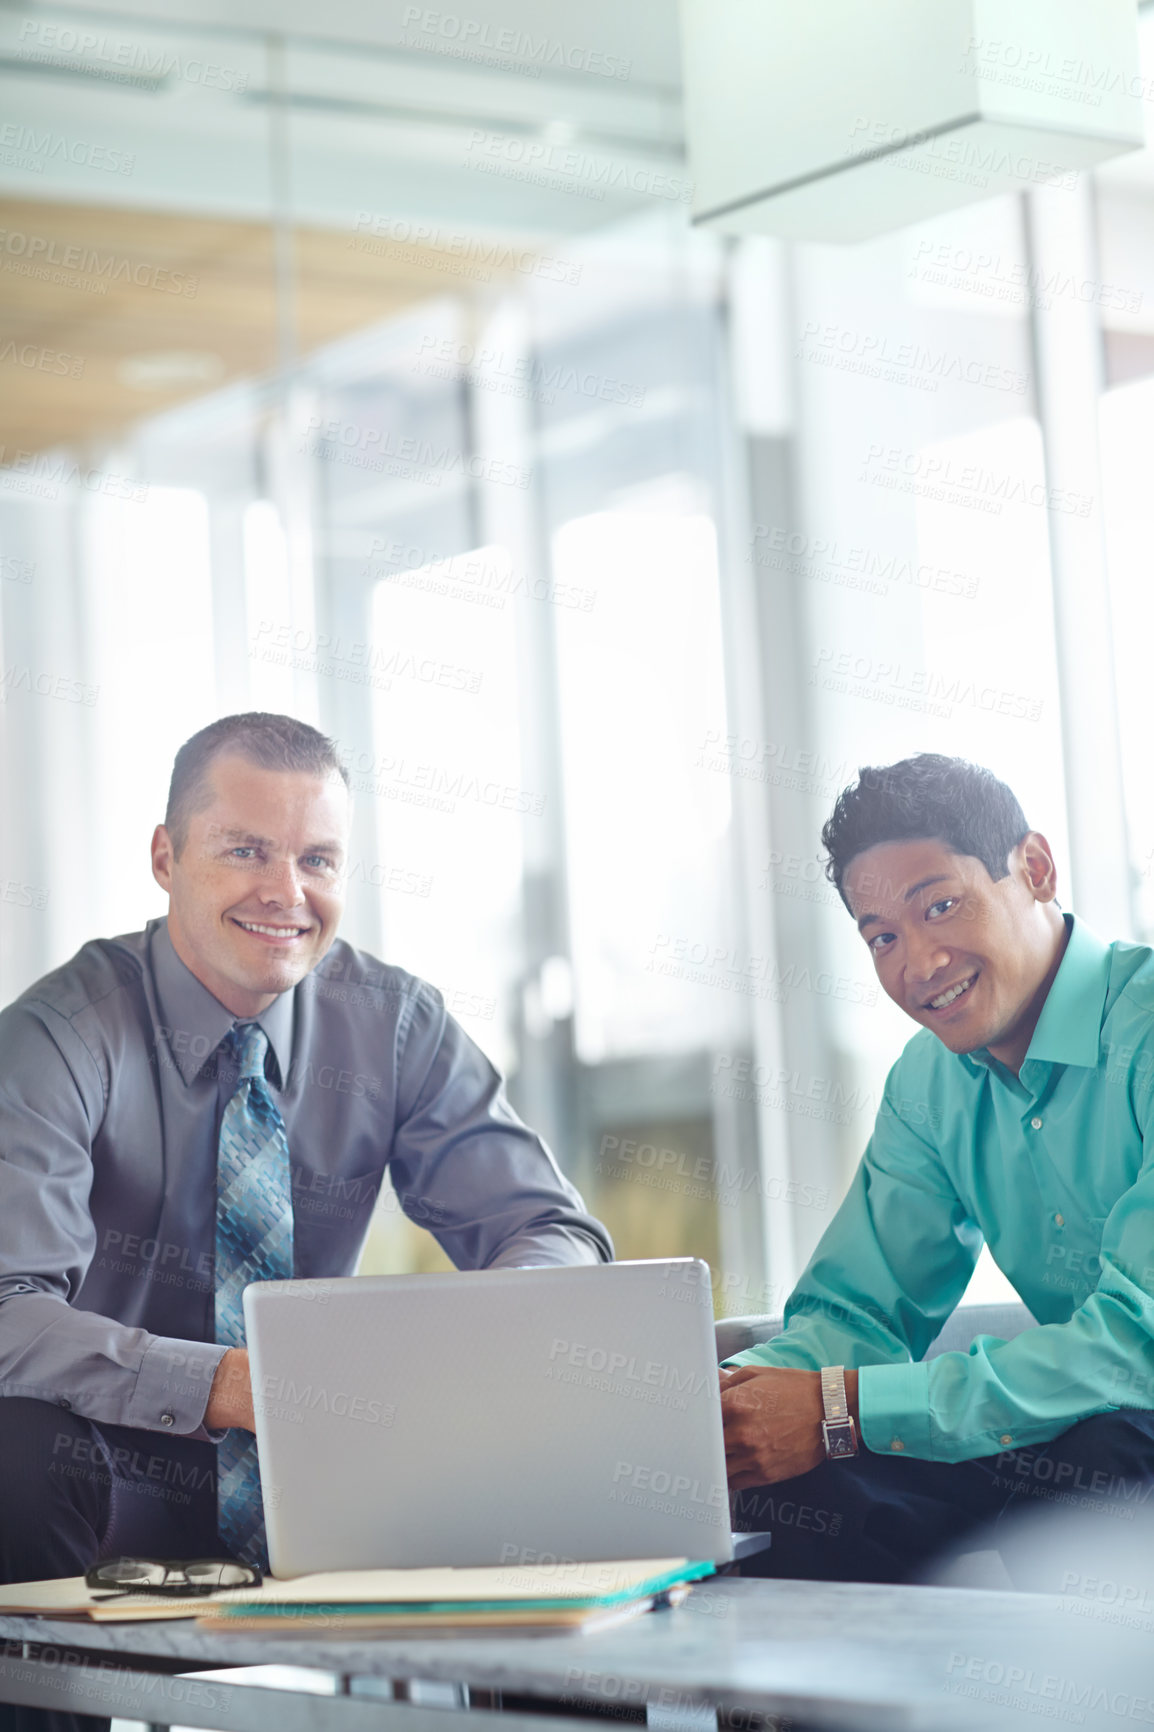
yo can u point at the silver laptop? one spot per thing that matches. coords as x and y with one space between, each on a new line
511 1416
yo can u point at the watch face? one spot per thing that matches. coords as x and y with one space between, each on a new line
839 1439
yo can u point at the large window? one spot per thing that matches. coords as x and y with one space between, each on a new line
1127 432
446 781
641 687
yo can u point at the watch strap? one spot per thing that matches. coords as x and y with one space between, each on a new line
838 1432
833 1396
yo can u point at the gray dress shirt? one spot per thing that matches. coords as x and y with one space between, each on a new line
111 1095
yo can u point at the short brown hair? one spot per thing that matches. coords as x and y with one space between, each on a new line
272 742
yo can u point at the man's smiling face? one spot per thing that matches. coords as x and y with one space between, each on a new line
966 955
257 891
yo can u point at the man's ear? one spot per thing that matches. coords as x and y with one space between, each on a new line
1035 859
163 855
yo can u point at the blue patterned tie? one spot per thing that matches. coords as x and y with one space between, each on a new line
254 1242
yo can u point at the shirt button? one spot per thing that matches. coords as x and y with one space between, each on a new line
1059 1220
1006 1439
1035 1124
167 1419
896 1443
63 1402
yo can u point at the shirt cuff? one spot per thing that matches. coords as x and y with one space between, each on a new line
894 1409
173 1385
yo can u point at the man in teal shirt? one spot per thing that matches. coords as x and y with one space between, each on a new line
1021 1114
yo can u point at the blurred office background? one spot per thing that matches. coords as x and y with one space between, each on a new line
362 362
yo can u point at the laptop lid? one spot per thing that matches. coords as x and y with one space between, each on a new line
487 1417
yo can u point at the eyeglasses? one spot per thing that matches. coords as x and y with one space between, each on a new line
161 1576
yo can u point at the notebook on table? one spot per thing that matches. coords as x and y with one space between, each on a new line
469 1601
390 1602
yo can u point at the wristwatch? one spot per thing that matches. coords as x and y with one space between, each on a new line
837 1428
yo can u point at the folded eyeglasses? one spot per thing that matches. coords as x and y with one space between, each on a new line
166 1576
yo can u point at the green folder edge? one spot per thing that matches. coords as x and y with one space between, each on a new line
406 1608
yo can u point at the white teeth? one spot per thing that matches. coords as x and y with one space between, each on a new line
945 998
273 931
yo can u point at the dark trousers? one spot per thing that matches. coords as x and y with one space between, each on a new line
75 1492
892 1518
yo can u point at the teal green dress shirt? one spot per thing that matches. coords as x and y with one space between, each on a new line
1055 1171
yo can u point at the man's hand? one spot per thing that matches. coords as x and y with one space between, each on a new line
230 1398
772 1418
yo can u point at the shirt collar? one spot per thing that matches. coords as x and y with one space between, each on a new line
194 1022
1070 1027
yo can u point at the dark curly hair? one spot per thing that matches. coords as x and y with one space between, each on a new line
959 803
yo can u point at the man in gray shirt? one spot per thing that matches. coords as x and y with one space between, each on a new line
113 1086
